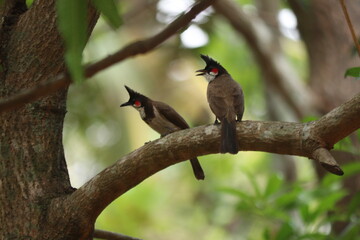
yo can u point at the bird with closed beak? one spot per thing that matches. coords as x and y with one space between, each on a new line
226 101
162 118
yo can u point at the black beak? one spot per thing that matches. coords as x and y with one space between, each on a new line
125 104
201 72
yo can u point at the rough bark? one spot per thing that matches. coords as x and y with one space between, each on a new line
32 163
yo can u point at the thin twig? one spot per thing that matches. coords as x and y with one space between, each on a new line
133 49
111 235
348 20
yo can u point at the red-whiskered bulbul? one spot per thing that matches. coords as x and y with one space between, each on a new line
162 118
226 100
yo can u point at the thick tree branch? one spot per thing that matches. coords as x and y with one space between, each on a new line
133 49
339 123
274 137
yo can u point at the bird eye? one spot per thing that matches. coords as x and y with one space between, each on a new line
137 103
214 71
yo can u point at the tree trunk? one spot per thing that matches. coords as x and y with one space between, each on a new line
32 163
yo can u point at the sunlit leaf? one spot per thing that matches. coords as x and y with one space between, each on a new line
72 25
109 9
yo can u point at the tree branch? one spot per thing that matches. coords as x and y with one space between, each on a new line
133 49
339 123
302 139
111 236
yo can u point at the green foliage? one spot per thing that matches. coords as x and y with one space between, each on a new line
72 24
297 211
309 119
109 9
29 2
353 72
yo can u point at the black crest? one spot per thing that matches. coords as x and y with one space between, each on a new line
133 97
133 94
211 63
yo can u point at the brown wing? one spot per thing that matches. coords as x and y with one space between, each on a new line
216 96
171 115
217 106
238 102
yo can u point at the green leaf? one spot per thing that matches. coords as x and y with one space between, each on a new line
305 213
285 232
29 2
353 72
329 203
290 199
109 9
235 192
274 185
351 232
354 205
252 179
352 168
309 119
314 236
72 24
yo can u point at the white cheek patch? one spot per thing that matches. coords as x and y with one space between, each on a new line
209 76
141 111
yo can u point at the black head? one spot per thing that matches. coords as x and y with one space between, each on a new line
136 99
212 69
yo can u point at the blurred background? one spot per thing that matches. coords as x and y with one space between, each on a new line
290 58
